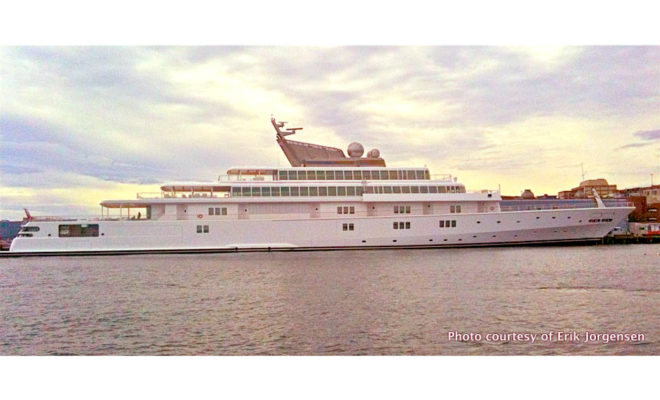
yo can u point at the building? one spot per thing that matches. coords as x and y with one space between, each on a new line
586 188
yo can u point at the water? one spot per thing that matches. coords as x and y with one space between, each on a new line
321 303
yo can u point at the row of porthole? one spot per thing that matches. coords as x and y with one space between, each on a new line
517 222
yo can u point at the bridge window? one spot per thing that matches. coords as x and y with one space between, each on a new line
348 227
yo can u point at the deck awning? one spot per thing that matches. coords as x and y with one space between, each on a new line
195 187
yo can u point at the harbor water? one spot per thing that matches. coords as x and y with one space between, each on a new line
562 300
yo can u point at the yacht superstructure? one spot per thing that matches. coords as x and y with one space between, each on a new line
325 200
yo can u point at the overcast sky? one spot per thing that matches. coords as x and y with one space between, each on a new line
83 124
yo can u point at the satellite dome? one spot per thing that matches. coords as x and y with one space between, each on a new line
373 153
355 149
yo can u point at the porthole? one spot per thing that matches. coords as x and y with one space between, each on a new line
499 222
538 217
554 217
478 222
474 236
394 240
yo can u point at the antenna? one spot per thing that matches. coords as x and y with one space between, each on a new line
582 168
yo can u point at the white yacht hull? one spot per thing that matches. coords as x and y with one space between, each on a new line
478 229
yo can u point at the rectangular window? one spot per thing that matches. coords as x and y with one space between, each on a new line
345 210
453 223
284 191
423 189
351 227
357 175
358 191
302 175
387 189
206 229
396 209
294 191
330 175
395 225
344 227
235 192
419 174
320 175
256 191
352 210
332 191
84 230
275 191
433 189
414 189
392 175
217 211
282 175
246 191
323 191
338 210
311 175
224 210
265 191
407 225
384 175
348 175
341 191
442 224
396 189
405 189
401 225
313 191
210 210
304 191
442 189
407 209
366 175
350 191
410 174
199 229
447 224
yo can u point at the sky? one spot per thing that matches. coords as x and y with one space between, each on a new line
79 125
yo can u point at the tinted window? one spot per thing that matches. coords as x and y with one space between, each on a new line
83 230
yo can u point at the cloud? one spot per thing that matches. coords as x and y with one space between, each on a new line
648 135
150 114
